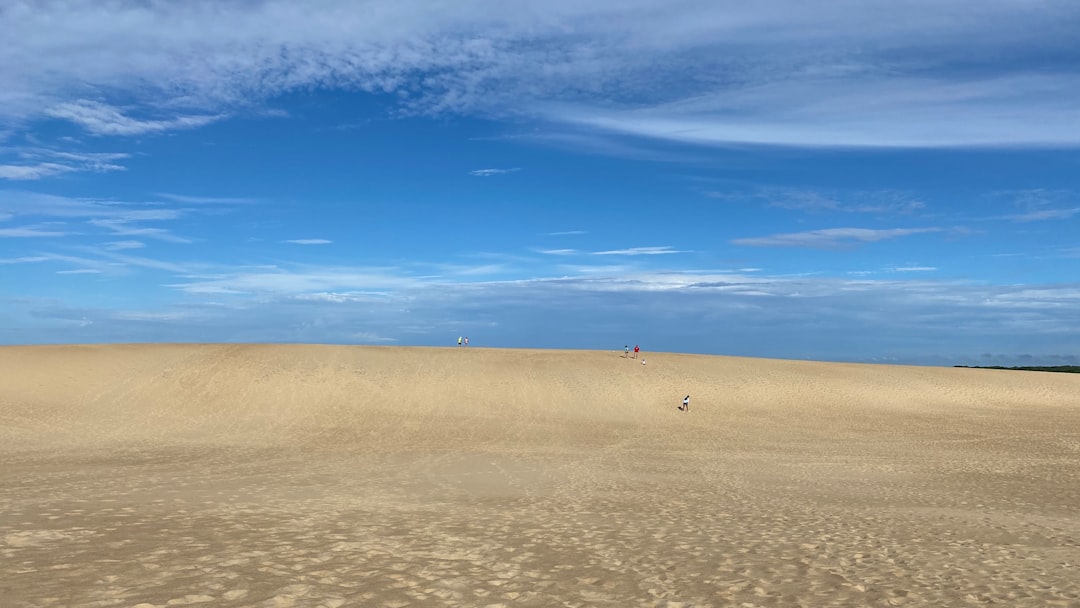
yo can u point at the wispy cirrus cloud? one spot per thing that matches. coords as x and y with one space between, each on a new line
1037 205
103 119
205 200
491 172
880 202
709 72
666 250
26 259
125 227
752 315
31 232
308 241
1043 215
297 280
32 172
831 238
866 108
122 245
566 233
36 163
115 218
34 204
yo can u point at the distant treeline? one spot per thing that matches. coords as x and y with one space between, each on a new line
1068 369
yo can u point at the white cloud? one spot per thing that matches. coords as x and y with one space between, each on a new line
30 232
121 245
29 259
205 200
33 204
915 269
873 73
80 271
490 172
1043 214
38 163
103 119
864 111
32 172
906 319
138 315
594 270
1036 204
343 297
471 270
882 202
309 241
565 233
297 281
640 251
608 144
558 251
122 259
830 237
123 227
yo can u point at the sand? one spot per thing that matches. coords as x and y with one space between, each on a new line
276 476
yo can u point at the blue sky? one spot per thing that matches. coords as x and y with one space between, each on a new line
874 181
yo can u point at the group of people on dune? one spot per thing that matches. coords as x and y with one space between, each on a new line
685 407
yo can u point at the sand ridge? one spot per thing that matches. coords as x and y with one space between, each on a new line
272 475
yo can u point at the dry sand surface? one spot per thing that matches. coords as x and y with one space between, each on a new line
236 475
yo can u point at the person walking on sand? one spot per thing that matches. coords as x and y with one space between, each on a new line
466 340
637 349
626 351
459 340
685 404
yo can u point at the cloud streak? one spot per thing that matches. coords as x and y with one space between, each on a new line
904 320
205 200
492 172
39 163
830 238
102 119
30 232
114 218
908 73
882 202
666 250
1043 215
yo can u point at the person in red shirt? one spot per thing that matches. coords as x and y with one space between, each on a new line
637 350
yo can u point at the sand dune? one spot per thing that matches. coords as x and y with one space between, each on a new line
262 475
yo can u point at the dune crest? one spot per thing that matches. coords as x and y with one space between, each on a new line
276 475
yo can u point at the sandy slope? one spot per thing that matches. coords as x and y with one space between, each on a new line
267 475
